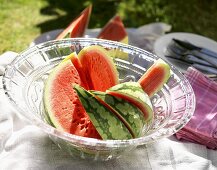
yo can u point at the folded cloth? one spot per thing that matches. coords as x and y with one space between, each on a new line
202 128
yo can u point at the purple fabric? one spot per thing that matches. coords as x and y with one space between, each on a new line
202 128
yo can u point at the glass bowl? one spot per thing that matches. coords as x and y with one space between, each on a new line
24 80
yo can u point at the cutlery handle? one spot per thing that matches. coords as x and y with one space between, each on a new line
189 46
205 57
207 69
193 59
209 52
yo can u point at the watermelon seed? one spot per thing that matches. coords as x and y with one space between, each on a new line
74 102
82 122
80 114
82 127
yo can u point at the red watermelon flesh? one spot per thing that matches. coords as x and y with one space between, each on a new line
98 67
78 26
113 30
84 81
62 103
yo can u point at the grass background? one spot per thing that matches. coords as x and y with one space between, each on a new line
23 20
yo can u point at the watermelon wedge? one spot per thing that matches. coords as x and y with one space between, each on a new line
99 68
95 68
114 30
134 94
78 26
104 118
128 113
62 103
155 77
77 64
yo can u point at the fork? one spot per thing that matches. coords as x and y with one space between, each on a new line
190 60
183 52
188 57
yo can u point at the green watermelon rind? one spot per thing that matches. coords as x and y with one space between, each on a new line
134 91
132 115
46 115
102 118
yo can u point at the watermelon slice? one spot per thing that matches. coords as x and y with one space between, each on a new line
155 77
99 68
129 114
76 62
78 26
114 30
96 69
134 94
105 119
62 104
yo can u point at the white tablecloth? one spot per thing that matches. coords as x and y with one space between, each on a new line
29 148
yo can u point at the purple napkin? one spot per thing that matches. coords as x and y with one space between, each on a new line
202 128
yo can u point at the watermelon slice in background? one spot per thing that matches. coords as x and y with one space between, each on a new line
78 26
114 30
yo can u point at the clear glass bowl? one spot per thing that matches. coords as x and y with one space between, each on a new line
24 81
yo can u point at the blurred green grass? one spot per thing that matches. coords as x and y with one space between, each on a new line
23 20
